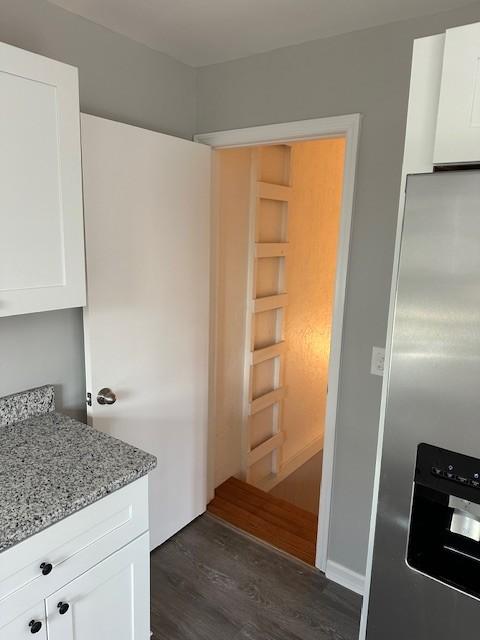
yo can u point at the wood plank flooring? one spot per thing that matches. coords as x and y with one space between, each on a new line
210 582
271 519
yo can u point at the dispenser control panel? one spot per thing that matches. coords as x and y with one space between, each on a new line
435 465
450 474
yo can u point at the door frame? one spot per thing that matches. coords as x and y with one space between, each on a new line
347 126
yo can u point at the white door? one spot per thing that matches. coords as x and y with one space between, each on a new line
111 601
41 219
457 137
147 212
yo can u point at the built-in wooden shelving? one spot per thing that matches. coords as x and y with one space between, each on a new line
263 247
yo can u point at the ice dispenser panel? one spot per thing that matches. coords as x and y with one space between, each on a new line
444 533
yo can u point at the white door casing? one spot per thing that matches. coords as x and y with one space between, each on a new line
147 228
349 127
42 263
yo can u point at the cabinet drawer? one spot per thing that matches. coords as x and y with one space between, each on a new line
78 542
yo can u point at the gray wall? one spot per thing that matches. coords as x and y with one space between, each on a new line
45 348
119 79
366 72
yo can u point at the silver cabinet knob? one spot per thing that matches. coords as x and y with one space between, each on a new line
106 396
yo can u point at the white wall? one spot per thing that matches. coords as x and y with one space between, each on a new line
367 72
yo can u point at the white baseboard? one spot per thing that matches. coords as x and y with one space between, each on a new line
346 577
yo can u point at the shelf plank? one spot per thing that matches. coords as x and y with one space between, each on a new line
270 302
267 353
265 448
267 400
271 249
271 191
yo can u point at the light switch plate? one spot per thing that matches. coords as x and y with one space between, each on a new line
378 361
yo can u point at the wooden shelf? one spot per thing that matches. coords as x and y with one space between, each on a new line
265 448
270 302
261 403
271 249
267 353
271 191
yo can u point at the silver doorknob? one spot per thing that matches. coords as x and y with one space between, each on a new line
106 396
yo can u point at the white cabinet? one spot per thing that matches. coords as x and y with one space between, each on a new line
109 601
41 216
20 626
457 137
98 573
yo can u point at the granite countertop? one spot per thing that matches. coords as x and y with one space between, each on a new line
51 465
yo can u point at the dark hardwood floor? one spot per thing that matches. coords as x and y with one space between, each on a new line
210 582
264 516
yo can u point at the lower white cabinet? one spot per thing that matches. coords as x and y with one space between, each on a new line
22 625
84 578
111 600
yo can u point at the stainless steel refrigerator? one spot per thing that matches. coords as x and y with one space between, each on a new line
426 562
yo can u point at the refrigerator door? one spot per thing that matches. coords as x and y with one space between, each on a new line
433 397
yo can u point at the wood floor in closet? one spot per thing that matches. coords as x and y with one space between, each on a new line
275 521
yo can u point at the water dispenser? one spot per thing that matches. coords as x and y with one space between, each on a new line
444 534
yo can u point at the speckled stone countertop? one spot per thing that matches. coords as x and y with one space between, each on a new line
52 466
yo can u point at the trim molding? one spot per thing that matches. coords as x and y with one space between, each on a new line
278 133
347 126
345 577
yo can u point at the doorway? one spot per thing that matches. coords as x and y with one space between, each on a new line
282 213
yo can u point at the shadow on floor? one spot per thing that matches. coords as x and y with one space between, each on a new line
210 582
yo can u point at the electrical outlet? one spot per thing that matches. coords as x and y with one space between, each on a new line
378 361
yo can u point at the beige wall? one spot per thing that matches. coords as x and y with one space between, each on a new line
313 228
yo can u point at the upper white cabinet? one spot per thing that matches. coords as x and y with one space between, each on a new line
41 216
457 137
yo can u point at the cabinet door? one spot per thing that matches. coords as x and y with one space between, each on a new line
41 216
457 137
112 600
21 626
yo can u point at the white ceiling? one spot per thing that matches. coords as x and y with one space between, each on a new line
201 32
